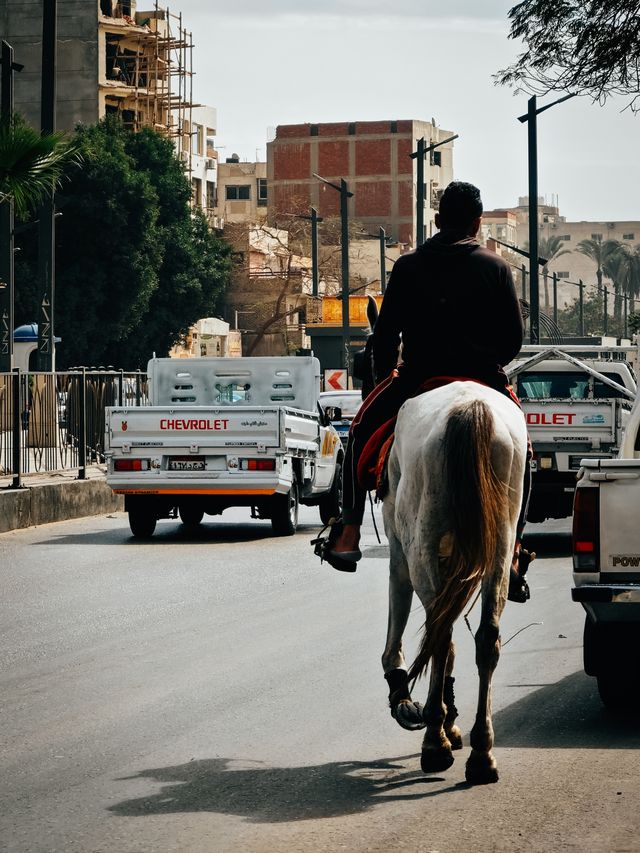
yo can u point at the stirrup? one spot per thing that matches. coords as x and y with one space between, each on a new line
345 561
518 587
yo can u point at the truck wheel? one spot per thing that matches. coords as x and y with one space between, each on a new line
615 691
284 512
142 523
190 516
330 505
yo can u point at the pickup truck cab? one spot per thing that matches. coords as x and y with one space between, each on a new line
225 432
606 567
577 401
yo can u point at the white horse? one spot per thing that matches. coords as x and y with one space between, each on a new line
455 488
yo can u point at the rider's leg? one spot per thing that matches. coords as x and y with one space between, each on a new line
381 405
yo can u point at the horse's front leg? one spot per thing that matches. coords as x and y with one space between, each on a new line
436 746
481 765
404 710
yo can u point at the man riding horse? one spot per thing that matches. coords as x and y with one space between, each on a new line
452 305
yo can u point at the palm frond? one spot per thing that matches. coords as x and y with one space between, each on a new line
32 166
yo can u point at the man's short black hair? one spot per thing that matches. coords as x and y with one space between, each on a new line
460 204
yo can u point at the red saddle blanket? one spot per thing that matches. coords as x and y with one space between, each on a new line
372 464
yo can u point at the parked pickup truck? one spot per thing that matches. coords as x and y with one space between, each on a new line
225 432
606 567
576 400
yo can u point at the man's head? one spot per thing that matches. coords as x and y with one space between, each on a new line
460 209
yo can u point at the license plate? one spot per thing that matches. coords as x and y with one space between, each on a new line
186 465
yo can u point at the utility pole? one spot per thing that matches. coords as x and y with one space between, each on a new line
46 231
420 153
315 272
6 220
531 117
383 260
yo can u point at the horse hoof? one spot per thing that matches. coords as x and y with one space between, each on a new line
455 737
435 760
481 769
408 714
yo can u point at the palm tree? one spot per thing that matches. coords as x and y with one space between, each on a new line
615 265
549 248
31 165
598 250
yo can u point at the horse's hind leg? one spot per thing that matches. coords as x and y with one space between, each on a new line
436 746
407 713
481 765
450 729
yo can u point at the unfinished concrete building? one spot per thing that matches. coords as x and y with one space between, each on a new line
112 59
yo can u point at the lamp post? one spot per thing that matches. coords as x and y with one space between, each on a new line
381 237
6 222
46 242
420 154
532 147
345 195
314 219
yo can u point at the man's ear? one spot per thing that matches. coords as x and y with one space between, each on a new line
475 226
436 219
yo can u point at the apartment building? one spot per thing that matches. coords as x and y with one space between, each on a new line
242 191
374 157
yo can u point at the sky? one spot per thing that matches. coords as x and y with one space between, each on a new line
262 63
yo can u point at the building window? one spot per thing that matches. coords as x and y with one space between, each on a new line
262 192
197 146
562 275
436 158
196 191
628 236
238 193
596 237
565 238
211 194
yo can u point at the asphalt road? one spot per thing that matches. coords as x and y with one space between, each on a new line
222 691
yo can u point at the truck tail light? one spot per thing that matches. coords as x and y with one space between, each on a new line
586 524
130 464
257 464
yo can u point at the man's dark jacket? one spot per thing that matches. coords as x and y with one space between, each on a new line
454 304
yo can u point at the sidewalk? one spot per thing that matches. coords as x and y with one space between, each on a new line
55 496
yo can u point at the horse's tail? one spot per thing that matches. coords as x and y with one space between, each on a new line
475 499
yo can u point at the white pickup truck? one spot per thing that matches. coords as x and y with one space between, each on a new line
576 401
225 432
606 568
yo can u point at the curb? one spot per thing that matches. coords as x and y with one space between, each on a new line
48 502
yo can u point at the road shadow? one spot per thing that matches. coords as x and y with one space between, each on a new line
565 715
548 544
262 794
169 532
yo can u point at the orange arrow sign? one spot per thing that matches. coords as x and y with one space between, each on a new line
336 380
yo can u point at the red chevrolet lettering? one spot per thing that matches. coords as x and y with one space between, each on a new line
194 424
547 419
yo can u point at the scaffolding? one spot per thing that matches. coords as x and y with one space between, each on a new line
149 73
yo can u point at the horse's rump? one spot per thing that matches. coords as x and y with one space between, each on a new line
474 500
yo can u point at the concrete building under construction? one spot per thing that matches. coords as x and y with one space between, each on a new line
112 59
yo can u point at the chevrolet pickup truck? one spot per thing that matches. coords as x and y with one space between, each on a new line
576 401
606 568
225 432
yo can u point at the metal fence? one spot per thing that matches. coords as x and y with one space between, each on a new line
56 421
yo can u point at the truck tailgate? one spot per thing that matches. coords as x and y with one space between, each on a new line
159 426
585 421
619 481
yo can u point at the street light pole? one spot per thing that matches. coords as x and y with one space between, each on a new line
383 260
532 148
420 153
345 195
46 242
315 273
6 222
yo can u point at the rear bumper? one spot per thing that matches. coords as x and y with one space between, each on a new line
198 485
609 602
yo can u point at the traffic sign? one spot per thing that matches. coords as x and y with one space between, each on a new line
335 380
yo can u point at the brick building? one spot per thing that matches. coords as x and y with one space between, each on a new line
373 157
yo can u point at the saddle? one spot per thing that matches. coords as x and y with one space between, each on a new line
372 464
